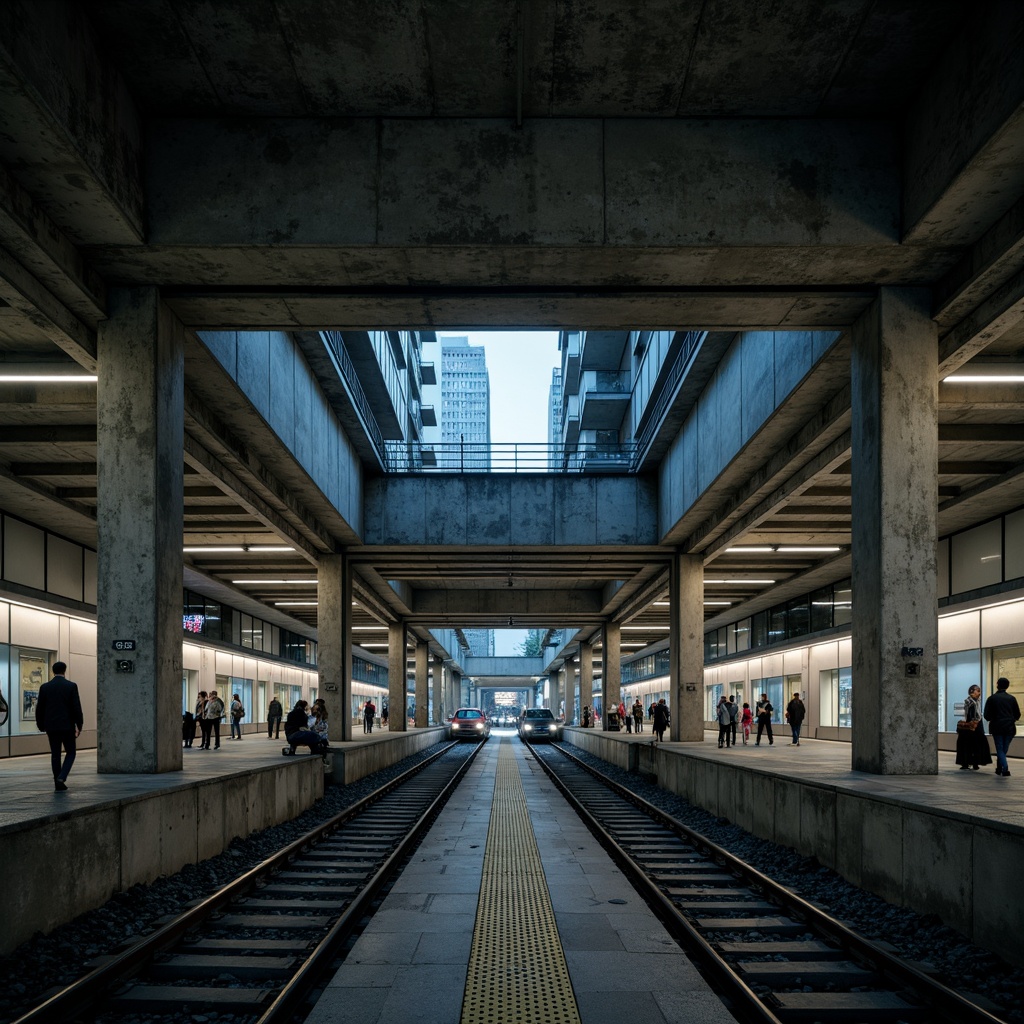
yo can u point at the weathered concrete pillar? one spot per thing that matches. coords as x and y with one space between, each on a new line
895 502
611 669
334 643
422 689
686 648
586 676
438 689
396 677
554 693
571 717
139 434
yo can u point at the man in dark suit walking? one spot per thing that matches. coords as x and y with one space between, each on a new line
59 715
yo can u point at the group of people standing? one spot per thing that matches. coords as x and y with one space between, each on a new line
208 714
1002 712
731 717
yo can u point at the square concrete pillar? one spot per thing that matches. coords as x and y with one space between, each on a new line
686 648
555 693
334 643
571 715
438 689
422 691
895 502
396 677
586 676
611 670
139 495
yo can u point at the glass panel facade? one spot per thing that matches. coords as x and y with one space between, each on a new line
1014 568
958 672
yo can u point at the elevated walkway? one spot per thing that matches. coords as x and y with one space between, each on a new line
110 832
950 844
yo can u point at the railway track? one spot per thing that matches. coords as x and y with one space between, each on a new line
257 947
774 956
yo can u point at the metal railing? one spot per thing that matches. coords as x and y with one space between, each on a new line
334 341
508 457
679 368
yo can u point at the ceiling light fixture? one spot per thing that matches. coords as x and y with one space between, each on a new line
262 582
760 550
743 583
42 378
296 604
718 604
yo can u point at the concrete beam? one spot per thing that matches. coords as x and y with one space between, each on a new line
564 605
964 145
69 130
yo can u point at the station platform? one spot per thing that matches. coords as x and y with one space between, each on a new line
510 910
950 844
110 832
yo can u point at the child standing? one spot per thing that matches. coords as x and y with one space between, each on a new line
746 721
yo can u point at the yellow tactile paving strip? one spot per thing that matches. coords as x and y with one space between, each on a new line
517 970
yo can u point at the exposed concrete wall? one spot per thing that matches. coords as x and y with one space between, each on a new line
933 861
107 848
755 377
357 760
272 373
484 510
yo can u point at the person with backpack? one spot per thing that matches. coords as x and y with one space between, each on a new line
369 714
237 714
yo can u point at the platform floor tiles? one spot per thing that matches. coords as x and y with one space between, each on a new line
412 962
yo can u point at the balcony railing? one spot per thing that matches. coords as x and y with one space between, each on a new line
508 457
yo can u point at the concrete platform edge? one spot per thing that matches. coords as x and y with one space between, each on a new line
931 860
353 761
69 863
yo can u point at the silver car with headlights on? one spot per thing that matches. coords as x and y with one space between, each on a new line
469 724
539 724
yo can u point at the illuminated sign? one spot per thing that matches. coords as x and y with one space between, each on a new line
193 623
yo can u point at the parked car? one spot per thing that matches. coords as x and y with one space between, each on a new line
469 724
539 724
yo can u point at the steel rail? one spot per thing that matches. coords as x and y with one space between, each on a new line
949 1004
69 1002
296 989
749 1005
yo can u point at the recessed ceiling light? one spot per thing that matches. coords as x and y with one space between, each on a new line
743 583
47 378
262 582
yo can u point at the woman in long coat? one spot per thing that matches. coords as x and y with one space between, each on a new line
972 744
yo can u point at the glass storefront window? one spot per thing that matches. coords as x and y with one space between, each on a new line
31 669
774 687
712 695
958 672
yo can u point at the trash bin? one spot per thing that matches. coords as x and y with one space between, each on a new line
612 722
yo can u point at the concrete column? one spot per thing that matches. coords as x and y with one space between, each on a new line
895 502
686 648
396 677
422 691
334 643
139 433
438 689
554 693
586 676
569 689
611 669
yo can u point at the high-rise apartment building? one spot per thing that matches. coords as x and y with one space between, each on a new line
465 405
481 642
555 418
